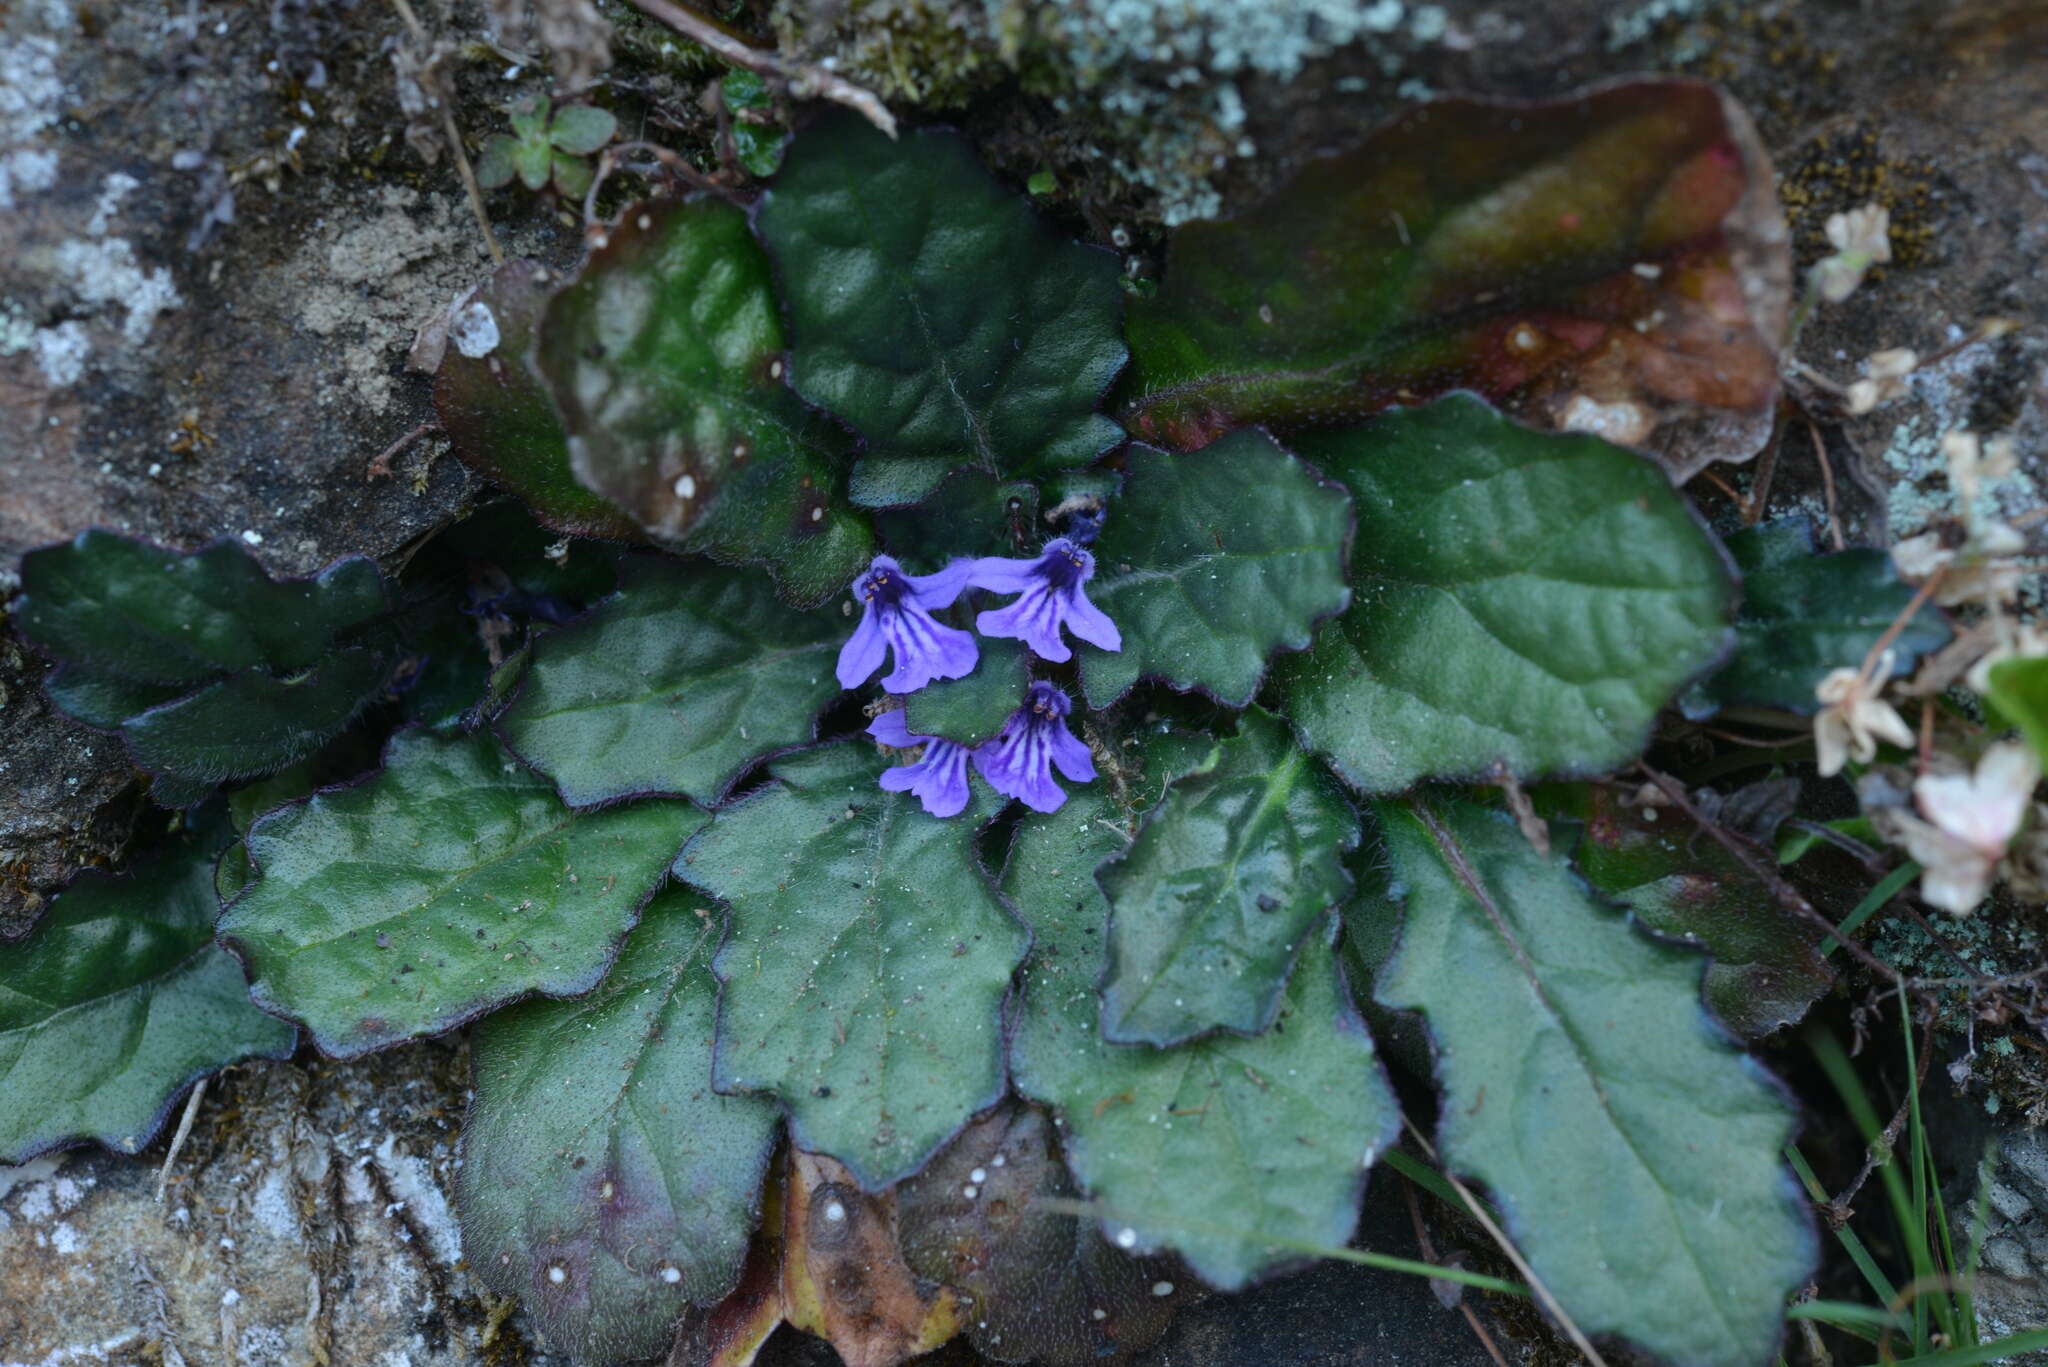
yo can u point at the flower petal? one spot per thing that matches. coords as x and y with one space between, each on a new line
862 654
1091 623
891 730
1033 619
1070 753
934 591
1000 574
926 650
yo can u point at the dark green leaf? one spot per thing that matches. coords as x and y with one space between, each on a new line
970 513
1286 1123
448 884
867 962
603 1182
208 668
674 685
1230 877
665 359
1805 615
581 129
117 1002
1632 1148
759 144
1765 968
1518 598
1211 561
2019 690
1615 261
252 722
112 605
972 709
499 419
932 308
1043 1286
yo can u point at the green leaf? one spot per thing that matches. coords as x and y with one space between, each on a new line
1228 881
1805 615
867 960
1211 561
572 175
972 709
529 118
494 167
1632 1148
1519 598
1620 254
759 144
1044 1285
252 722
970 513
1286 1122
665 359
447 884
208 668
533 161
581 129
2019 690
497 414
603 1182
119 1000
674 685
1765 968
933 309
116 606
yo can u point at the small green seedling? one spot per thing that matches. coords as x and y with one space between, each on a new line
544 147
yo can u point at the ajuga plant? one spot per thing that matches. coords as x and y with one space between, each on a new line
934 844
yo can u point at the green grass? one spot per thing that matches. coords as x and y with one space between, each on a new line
1932 1320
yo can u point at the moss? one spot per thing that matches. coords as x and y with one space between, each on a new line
1845 168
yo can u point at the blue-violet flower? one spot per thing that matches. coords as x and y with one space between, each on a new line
1019 761
1052 593
898 616
938 778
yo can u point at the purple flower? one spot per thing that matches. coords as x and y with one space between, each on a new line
1019 761
898 617
938 779
1053 594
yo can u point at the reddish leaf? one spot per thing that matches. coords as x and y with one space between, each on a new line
1615 262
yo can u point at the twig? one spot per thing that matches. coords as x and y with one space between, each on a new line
1906 614
1760 485
670 162
1428 1247
163 1174
1880 1150
454 135
1781 891
1507 1247
802 76
1827 482
380 468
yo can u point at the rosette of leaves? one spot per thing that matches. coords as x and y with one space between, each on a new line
669 866
547 146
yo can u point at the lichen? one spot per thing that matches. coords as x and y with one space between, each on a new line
1154 86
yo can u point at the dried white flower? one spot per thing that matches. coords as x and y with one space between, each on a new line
1861 240
2026 642
1966 823
1884 378
1854 717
